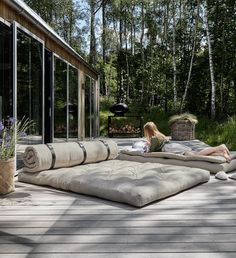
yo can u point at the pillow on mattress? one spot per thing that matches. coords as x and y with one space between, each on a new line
57 155
140 145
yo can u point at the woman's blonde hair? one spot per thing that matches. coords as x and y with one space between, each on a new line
150 130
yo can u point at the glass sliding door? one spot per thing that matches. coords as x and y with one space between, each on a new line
95 108
73 102
48 96
6 92
30 68
91 110
87 107
60 99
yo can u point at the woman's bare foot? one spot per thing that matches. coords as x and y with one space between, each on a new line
223 147
226 156
227 149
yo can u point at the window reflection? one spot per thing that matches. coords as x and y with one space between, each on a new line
48 93
29 83
93 108
60 99
90 108
73 102
87 106
6 106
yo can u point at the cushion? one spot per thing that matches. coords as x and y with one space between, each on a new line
221 175
55 155
233 176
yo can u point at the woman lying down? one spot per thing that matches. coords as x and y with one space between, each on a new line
158 142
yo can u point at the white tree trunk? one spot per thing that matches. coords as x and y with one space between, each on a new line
92 52
174 54
213 109
192 58
162 78
142 50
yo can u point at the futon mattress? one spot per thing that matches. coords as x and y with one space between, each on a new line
213 164
123 181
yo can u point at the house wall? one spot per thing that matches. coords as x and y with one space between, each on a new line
10 14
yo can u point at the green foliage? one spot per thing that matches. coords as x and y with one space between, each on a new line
211 132
103 122
110 76
105 104
63 17
159 117
185 116
134 49
135 55
215 133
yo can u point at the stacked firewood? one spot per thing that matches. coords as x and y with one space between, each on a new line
124 129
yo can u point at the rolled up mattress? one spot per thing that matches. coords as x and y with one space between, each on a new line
57 155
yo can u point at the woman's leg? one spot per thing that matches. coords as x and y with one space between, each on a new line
220 150
210 150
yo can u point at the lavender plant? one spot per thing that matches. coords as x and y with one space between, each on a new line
11 131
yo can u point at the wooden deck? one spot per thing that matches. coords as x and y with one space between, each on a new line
44 222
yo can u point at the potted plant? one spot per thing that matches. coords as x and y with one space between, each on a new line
10 132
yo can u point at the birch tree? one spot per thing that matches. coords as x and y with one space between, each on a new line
192 57
164 59
174 52
211 67
92 51
104 47
142 50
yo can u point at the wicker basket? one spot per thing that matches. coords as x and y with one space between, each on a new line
183 130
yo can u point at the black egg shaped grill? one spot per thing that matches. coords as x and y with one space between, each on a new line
119 109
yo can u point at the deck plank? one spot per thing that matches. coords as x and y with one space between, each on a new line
118 239
118 248
124 255
45 222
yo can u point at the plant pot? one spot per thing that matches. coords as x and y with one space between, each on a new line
7 172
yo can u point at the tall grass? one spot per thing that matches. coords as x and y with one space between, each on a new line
103 122
215 133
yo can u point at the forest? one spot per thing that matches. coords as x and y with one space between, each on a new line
160 57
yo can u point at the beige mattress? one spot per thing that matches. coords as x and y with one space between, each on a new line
123 181
213 164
